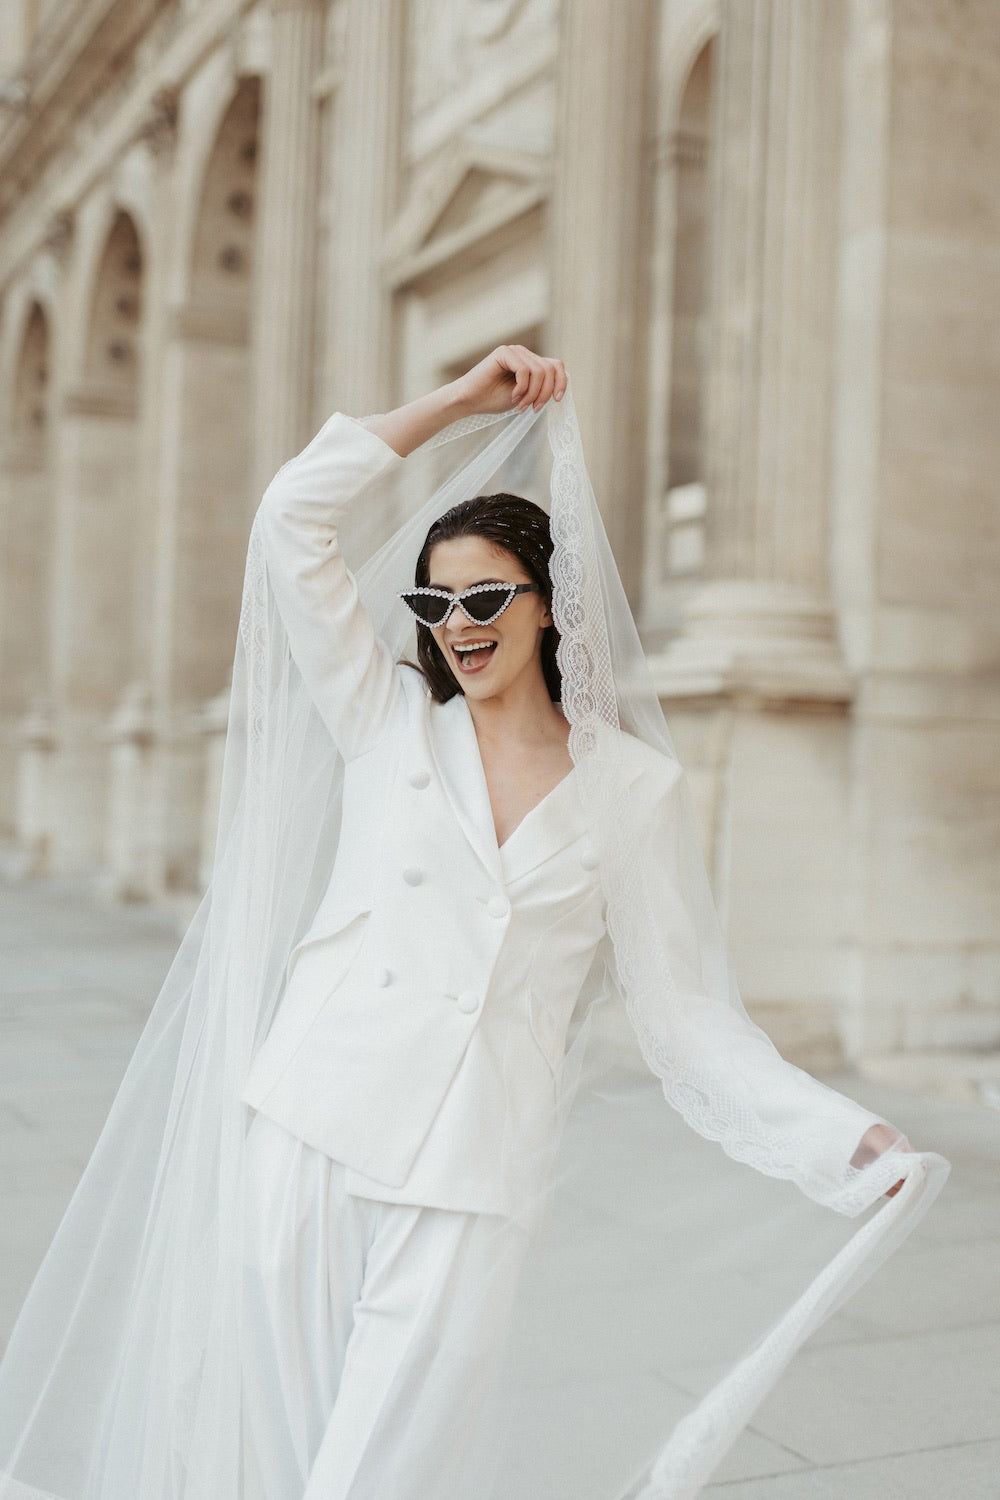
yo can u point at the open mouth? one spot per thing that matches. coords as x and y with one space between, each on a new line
474 656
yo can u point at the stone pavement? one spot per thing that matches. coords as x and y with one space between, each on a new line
914 1359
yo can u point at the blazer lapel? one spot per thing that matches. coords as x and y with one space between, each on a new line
545 831
460 765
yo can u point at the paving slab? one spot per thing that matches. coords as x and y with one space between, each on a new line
970 1472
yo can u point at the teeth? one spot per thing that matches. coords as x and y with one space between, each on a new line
476 646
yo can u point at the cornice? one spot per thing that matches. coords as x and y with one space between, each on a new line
105 123
87 50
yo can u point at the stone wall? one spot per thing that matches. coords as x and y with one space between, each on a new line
764 236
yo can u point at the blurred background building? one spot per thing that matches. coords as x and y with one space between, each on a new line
765 237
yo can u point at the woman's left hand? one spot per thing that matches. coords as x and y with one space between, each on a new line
511 376
876 1140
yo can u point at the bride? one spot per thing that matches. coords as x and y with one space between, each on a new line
356 1162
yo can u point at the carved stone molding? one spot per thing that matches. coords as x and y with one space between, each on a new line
773 643
470 196
159 129
59 235
81 68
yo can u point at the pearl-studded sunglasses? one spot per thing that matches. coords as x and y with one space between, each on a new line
482 603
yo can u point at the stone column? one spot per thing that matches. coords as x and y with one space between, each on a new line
284 314
598 224
364 149
763 623
127 874
214 726
36 746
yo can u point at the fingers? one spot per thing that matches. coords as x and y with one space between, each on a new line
511 358
536 379
528 371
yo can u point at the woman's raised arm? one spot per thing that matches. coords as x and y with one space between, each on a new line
509 377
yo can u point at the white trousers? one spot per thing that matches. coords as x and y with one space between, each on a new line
370 1333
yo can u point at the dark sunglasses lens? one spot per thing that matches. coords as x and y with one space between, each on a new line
430 608
482 606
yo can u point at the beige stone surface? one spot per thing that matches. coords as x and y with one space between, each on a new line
764 236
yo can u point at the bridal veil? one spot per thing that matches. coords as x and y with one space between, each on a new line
666 1286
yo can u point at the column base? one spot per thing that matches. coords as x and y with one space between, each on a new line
768 641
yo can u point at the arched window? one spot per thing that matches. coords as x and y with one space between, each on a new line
26 528
678 338
111 367
685 488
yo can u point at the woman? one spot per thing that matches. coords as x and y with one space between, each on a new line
356 1162
402 1065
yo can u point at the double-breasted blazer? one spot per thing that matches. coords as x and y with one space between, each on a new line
423 1026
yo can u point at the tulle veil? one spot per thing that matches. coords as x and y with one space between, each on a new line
660 1296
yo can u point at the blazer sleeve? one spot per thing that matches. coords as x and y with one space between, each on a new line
347 669
717 1065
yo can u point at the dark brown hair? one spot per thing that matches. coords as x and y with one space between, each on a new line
521 528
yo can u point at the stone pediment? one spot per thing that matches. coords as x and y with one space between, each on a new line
470 195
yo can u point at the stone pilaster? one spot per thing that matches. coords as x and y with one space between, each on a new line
364 167
36 745
763 622
214 726
284 315
598 224
127 873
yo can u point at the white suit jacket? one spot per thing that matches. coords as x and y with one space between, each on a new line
424 1021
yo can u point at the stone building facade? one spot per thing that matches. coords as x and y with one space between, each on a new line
765 237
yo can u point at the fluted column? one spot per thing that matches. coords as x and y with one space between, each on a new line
284 312
365 142
598 221
764 620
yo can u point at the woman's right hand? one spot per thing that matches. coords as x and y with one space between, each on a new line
510 376
876 1140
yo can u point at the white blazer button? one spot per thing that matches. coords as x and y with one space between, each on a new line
498 906
383 978
589 859
467 1002
420 779
413 876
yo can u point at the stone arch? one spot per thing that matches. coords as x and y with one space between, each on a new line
684 458
207 504
101 411
29 416
111 351
25 544
676 498
222 249
213 347
95 597
106 215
